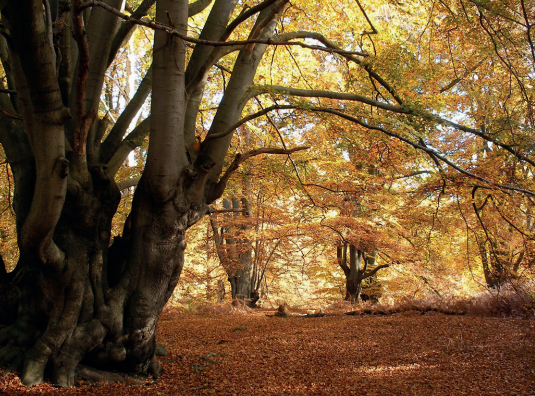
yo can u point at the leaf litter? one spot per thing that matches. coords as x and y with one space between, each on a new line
334 355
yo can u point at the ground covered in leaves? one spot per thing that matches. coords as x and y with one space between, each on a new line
402 354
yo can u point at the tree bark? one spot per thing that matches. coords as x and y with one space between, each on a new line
356 272
72 297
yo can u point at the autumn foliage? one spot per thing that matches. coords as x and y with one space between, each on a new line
373 158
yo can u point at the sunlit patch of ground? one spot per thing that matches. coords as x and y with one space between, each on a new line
387 355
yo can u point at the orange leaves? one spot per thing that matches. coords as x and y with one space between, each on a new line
341 355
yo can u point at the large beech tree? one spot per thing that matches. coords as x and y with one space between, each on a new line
76 300
80 299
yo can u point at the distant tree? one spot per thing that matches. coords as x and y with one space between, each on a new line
235 251
361 266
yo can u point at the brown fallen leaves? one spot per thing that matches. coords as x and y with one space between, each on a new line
346 355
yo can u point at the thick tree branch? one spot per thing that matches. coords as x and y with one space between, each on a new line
417 173
201 61
244 16
133 140
44 116
132 182
113 140
168 105
374 271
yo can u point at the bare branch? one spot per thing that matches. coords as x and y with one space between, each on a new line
350 57
243 121
418 146
198 7
330 95
217 190
240 158
388 107
459 79
372 273
426 149
113 140
422 172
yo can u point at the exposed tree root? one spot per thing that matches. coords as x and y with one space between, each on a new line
86 374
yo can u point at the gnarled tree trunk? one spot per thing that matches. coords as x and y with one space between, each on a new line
74 300
361 267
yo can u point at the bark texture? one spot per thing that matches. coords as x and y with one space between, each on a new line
361 267
77 300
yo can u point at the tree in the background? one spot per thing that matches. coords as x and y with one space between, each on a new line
359 267
234 249
250 238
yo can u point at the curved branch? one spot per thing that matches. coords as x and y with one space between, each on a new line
243 17
133 140
214 43
350 56
198 7
126 27
217 189
389 107
372 127
372 273
331 95
243 121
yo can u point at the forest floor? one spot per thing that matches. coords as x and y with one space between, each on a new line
401 354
